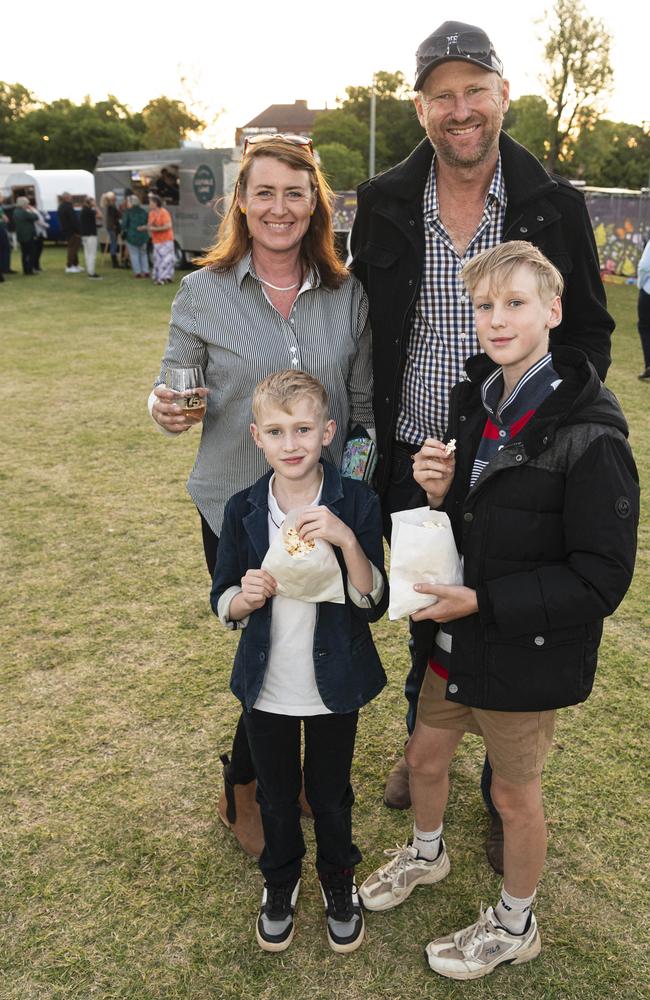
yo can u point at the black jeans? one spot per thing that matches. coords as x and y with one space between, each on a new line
403 493
240 769
329 747
643 308
27 254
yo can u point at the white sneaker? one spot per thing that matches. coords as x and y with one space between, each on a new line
72 270
477 950
395 881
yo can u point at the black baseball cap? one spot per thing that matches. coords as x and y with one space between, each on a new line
455 40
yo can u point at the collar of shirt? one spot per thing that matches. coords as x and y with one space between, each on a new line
496 192
245 266
276 515
530 391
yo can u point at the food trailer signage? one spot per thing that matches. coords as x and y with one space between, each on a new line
204 184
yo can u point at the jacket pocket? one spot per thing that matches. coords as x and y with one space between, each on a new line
537 671
377 256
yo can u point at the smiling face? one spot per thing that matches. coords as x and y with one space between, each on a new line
461 107
513 322
292 441
278 202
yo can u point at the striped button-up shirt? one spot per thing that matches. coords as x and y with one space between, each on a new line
443 334
223 322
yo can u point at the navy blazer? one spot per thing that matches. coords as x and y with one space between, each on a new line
347 666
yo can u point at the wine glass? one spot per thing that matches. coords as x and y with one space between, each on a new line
185 382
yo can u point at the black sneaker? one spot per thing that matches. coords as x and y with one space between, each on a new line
274 929
343 911
645 376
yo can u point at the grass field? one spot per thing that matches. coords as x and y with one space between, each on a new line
117 880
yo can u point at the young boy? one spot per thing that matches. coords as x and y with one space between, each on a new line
542 492
298 660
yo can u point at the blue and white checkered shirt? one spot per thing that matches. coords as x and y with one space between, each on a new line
443 334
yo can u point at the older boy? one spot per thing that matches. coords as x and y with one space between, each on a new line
298 660
543 496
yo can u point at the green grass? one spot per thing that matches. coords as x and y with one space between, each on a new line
117 880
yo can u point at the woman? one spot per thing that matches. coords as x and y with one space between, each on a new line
25 218
112 224
134 230
272 294
159 226
88 219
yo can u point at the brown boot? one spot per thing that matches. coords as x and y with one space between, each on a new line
397 794
494 844
239 811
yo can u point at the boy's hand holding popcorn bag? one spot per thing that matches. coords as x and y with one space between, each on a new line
423 549
305 569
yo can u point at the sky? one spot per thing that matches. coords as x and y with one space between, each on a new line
239 58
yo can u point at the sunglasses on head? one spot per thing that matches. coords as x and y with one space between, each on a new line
472 44
293 140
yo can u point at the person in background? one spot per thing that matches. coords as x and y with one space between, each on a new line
40 234
466 187
25 221
69 227
5 246
134 232
643 310
271 294
159 227
112 225
90 216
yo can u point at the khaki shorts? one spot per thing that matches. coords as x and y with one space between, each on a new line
517 743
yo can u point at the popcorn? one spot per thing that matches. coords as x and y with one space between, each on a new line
296 546
450 447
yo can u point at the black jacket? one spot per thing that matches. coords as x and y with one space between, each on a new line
87 221
548 536
388 253
68 220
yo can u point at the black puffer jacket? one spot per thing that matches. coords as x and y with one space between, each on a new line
548 536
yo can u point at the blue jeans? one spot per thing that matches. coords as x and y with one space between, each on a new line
139 258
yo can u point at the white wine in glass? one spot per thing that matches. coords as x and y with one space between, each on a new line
184 382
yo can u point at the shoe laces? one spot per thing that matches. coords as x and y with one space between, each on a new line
278 900
338 890
470 940
402 857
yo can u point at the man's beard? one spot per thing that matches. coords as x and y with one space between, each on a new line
453 157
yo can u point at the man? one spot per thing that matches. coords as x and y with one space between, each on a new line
465 188
69 226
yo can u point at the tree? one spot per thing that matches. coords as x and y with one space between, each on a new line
341 127
612 154
343 167
15 102
577 52
528 121
167 122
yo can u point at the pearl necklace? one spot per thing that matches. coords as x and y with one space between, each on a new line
277 288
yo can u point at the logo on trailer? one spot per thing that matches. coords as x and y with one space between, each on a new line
204 184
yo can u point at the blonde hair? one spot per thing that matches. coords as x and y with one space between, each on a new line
317 247
286 388
499 263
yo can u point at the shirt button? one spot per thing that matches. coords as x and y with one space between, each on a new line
410 282
502 434
411 222
453 689
387 400
463 298
462 336
462 418
468 517
262 657
539 640
523 229
519 458
397 342
500 448
540 218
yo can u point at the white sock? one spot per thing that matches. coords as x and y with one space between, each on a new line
513 913
427 844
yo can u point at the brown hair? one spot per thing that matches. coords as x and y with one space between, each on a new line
499 263
286 388
317 247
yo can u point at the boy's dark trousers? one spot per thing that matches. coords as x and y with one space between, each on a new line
274 742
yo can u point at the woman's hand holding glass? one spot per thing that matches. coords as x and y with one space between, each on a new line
433 470
181 402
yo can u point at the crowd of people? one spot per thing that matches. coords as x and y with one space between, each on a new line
477 273
130 230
